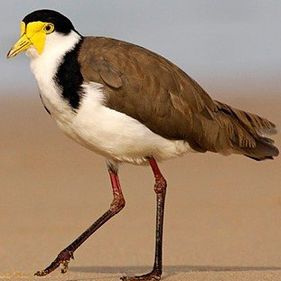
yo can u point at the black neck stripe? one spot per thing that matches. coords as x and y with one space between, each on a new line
69 77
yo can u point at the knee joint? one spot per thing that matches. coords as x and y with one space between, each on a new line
117 204
160 185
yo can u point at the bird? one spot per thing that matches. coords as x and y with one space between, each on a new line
130 105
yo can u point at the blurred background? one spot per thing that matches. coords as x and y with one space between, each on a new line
222 212
214 41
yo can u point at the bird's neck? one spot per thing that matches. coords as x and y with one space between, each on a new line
60 53
56 46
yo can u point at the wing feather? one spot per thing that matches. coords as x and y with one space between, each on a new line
156 92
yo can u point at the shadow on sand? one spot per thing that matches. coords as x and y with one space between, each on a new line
170 269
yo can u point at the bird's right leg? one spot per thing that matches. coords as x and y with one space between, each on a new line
116 206
160 190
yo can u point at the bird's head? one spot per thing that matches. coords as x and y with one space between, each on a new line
38 27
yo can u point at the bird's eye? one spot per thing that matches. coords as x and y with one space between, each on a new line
49 28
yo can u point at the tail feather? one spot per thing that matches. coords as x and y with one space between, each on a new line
264 150
247 133
254 123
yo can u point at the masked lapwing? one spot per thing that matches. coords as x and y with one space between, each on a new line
130 105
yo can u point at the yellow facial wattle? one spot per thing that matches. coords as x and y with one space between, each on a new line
22 28
33 34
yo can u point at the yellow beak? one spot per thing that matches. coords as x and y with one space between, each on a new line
32 34
21 45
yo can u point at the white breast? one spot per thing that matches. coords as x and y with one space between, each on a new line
117 135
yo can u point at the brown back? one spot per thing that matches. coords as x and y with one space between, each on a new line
157 93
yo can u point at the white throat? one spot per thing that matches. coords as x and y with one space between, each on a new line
45 67
56 46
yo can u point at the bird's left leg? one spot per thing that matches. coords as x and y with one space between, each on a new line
116 206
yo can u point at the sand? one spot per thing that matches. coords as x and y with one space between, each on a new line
222 221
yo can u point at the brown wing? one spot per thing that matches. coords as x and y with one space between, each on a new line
157 93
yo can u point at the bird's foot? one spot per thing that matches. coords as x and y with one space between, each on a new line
151 276
63 259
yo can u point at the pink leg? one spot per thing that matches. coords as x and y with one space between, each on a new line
116 206
160 190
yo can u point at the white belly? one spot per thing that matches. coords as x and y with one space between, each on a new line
116 135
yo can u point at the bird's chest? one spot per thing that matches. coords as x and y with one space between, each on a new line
54 102
83 123
45 72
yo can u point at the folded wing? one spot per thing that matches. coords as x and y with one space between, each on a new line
157 93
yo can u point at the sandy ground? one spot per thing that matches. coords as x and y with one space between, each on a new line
223 215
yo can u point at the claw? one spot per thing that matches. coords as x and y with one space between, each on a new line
40 273
63 259
152 276
64 266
